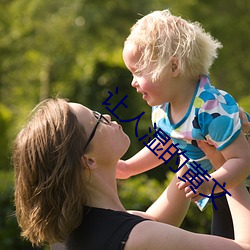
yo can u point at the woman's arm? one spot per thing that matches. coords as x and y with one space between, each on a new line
160 236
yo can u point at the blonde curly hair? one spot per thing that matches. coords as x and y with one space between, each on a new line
161 36
49 181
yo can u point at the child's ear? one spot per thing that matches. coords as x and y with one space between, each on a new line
175 66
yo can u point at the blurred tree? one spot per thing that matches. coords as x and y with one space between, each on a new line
244 102
72 48
139 192
228 22
5 123
57 44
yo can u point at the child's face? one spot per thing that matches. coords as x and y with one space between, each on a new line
152 92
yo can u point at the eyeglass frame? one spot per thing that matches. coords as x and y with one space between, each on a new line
100 118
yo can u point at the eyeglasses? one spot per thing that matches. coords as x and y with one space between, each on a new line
100 118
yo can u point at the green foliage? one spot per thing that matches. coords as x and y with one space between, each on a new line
197 221
245 103
139 192
5 124
227 22
73 48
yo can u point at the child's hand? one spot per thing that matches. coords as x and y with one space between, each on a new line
205 188
122 170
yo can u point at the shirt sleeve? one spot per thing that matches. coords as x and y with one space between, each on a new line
219 119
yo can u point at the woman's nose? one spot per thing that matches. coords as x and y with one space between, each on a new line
108 117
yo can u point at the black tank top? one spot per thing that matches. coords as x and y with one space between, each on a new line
102 229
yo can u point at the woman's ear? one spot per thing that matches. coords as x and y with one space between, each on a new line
89 161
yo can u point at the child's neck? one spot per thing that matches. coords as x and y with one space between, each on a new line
180 104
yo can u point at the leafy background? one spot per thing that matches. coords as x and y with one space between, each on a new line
72 48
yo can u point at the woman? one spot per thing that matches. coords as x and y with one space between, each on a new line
65 189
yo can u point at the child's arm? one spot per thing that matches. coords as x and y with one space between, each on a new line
214 156
234 171
143 161
237 166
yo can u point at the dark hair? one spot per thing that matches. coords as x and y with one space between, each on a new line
49 182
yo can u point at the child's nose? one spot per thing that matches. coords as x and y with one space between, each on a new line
134 83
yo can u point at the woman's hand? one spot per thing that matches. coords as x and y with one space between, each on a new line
245 124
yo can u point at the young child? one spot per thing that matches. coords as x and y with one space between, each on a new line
170 59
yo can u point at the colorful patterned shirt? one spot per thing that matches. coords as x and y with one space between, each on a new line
213 115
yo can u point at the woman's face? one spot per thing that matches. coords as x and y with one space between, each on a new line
109 140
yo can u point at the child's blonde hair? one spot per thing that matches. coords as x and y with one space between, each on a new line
161 36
